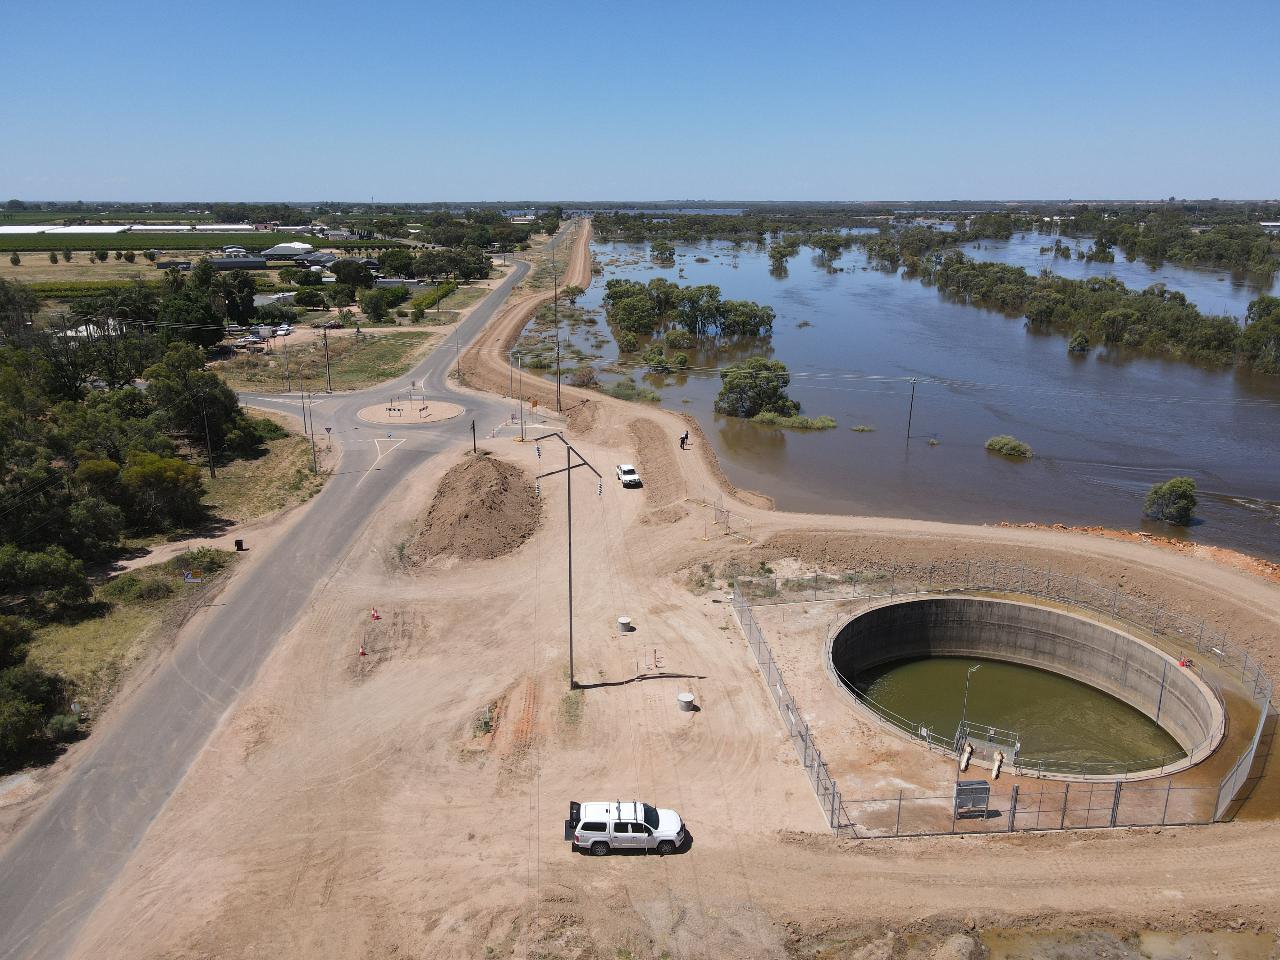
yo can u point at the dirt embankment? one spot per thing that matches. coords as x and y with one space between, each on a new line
484 508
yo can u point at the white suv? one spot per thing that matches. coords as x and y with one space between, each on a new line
601 827
628 476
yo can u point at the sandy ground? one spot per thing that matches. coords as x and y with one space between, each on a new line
408 803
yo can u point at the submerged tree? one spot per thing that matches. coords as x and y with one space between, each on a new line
756 385
1173 501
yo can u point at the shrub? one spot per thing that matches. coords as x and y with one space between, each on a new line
794 422
582 377
53 256
130 256
1007 446
15 259
62 727
627 390
1079 342
1173 501
863 428
135 588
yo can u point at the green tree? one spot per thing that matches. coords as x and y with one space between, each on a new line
397 261
1260 341
66 254
236 288
1173 501
15 636
662 251
18 306
1079 342
163 491
309 297
195 401
130 256
353 273
572 292
755 385
15 259
53 256
21 723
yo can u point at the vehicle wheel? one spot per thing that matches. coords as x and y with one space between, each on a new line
599 848
666 848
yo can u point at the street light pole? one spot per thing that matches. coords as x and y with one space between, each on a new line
964 710
911 409
328 381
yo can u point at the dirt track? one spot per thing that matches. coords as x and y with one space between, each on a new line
409 803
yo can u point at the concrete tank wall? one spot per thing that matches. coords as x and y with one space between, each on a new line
1116 663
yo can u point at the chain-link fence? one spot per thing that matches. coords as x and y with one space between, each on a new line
1002 809
797 729
1187 639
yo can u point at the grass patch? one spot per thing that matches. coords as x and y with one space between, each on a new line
137 606
354 362
628 390
863 428
279 477
571 707
797 422
1007 446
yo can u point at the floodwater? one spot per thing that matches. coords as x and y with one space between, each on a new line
1056 718
1104 427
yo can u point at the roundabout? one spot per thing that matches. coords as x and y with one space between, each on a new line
402 412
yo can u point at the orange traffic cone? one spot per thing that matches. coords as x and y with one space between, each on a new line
373 613
362 651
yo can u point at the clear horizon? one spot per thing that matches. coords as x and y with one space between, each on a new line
170 103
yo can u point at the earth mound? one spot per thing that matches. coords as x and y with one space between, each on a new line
483 508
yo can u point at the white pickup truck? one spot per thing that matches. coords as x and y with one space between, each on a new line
623 825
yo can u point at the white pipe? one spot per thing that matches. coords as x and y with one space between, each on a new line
965 754
995 767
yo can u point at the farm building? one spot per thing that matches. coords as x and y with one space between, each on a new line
288 251
238 263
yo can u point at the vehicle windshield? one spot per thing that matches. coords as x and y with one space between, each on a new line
650 817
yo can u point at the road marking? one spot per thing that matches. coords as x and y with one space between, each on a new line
377 444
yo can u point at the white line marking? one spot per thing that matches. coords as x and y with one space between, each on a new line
377 444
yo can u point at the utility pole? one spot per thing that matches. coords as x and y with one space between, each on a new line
520 401
208 443
569 453
288 381
555 314
328 381
311 434
911 409
473 437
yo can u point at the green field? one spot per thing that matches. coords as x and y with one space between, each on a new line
190 240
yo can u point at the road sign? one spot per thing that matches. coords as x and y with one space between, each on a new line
328 429
193 576
533 402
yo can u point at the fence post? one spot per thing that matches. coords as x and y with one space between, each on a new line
1168 789
1115 602
1115 803
1013 806
897 824
1065 793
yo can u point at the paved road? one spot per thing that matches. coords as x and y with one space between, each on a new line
57 869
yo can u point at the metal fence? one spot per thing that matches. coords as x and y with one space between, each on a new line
1063 806
1177 634
797 728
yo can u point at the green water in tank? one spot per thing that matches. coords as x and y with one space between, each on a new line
1056 718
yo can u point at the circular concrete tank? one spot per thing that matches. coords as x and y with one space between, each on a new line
1108 659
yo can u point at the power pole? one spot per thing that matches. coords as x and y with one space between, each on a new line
311 434
328 381
911 409
208 443
569 453
473 437
520 401
555 314
288 381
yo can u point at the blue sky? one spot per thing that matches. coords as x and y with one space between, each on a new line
471 101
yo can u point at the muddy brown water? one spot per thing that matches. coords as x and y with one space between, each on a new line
1104 427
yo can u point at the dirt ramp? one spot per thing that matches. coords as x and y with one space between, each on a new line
484 508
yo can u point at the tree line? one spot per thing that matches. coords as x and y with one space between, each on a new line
1171 235
1105 311
104 422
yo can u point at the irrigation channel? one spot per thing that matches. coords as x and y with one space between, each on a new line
1103 428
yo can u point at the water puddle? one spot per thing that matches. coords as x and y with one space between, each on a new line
1146 945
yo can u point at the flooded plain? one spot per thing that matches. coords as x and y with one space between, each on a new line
1103 427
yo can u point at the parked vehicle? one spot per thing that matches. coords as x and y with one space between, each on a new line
234 329
284 330
249 341
332 325
606 826
628 476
